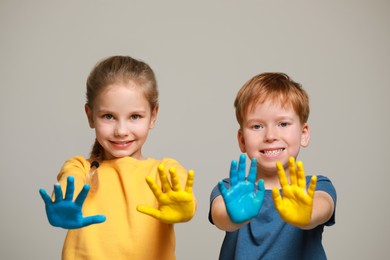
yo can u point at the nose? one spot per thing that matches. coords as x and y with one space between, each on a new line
270 134
121 129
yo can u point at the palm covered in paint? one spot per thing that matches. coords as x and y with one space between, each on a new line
242 200
66 213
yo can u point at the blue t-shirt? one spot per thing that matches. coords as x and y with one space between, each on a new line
267 236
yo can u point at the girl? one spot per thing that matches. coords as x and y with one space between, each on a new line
122 106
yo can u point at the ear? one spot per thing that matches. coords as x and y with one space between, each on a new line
305 137
89 113
153 117
241 140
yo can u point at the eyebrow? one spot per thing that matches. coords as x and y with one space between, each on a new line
107 111
278 118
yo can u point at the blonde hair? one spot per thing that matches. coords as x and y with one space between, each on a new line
277 87
114 70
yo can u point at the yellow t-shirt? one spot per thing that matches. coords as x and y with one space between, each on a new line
126 233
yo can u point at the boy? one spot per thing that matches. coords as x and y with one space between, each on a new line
279 218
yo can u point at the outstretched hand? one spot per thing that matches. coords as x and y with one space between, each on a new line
175 204
242 200
295 204
66 213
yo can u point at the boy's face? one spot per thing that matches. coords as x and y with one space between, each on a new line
271 133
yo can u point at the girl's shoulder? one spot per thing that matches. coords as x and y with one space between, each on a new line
78 161
75 166
169 161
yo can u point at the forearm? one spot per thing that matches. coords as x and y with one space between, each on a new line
221 218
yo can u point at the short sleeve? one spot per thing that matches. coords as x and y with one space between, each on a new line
215 193
324 184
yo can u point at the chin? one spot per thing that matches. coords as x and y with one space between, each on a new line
268 166
116 155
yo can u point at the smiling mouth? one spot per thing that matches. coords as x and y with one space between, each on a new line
272 152
121 143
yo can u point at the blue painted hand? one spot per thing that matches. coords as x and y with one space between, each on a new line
66 213
242 200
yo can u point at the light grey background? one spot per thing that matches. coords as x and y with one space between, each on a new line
202 53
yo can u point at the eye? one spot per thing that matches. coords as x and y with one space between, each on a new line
108 116
135 117
284 124
256 127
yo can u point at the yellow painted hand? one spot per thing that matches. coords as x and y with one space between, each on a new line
175 204
295 204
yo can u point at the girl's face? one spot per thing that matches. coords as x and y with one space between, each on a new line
271 133
122 118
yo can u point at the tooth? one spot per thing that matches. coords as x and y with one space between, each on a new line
273 151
